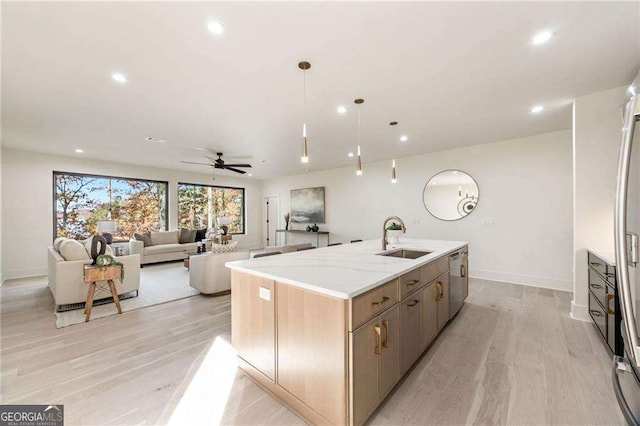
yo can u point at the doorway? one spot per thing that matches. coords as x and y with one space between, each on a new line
271 215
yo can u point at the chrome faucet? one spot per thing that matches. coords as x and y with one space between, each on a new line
384 229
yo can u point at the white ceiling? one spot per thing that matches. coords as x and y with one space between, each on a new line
452 74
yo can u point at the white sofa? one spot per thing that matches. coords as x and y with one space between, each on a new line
165 247
207 272
66 278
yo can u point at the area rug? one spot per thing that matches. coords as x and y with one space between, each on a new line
158 284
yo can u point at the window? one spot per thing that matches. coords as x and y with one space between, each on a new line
200 205
80 201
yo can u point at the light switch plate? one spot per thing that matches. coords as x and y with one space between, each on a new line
265 294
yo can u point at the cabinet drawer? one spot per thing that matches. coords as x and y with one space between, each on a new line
603 268
411 282
442 265
597 286
429 272
598 315
370 304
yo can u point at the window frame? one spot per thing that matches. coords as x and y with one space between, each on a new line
90 175
244 202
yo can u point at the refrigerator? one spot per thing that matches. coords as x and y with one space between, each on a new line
626 369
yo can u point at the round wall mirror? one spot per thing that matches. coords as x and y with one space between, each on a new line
451 195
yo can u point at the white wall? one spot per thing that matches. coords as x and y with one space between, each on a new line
597 136
525 187
27 203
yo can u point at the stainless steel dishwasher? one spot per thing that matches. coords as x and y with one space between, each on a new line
457 281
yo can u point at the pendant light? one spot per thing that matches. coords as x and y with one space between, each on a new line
393 125
304 66
359 102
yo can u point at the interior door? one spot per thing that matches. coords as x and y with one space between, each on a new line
270 213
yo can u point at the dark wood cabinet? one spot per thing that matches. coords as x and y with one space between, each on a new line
604 307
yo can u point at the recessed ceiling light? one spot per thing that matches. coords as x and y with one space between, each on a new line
250 175
455 172
536 109
79 151
120 78
342 109
350 154
215 27
157 140
541 37
404 138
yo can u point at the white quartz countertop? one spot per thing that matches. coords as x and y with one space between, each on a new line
347 270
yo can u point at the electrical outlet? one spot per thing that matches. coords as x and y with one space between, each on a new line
265 294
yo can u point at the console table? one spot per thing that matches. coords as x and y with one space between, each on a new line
299 231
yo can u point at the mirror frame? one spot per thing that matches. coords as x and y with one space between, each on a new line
449 170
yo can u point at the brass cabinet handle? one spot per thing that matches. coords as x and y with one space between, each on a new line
385 342
415 302
440 292
384 299
411 283
609 310
463 271
596 313
378 349
598 286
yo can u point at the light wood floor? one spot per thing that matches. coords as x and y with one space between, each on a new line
511 356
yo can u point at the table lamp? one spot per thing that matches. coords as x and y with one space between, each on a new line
106 227
223 223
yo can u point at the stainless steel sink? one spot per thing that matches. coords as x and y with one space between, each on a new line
405 254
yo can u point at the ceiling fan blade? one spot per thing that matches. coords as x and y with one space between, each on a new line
202 164
235 170
237 165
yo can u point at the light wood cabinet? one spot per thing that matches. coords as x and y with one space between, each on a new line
412 336
253 331
429 311
371 303
411 282
375 363
311 350
441 289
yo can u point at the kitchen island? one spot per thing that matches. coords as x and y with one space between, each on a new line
331 331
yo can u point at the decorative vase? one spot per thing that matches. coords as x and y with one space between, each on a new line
315 228
393 236
308 228
95 251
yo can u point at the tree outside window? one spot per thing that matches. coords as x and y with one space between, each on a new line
81 201
200 205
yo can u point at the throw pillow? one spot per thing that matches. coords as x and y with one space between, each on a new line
164 237
57 242
73 250
187 236
145 238
225 248
201 234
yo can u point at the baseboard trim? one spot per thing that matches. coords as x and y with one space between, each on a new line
580 312
24 273
528 280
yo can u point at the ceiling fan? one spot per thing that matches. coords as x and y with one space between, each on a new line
219 163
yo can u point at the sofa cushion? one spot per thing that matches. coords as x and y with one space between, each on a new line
57 242
163 248
186 247
73 250
201 234
164 237
187 236
145 238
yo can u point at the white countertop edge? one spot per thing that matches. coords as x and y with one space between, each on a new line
342 295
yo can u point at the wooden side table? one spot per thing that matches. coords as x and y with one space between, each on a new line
93 274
